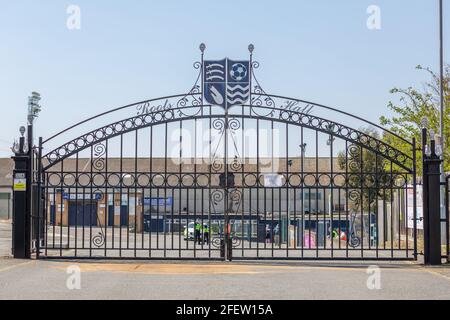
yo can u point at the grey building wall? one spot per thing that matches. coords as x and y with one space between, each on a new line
6 168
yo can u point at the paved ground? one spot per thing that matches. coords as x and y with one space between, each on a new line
188 280
130 280
5 238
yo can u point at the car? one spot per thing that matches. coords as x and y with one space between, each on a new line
188 231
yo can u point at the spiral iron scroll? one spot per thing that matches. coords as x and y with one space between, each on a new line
99 239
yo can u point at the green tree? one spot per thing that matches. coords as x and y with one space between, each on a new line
412 107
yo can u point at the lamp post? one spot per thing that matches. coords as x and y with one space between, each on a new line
33 112
441 82
442 106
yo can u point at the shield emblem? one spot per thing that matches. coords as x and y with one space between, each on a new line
226 82
214 75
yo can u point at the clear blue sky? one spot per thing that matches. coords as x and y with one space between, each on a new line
128 51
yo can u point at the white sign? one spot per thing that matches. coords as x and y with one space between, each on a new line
410 199
273 180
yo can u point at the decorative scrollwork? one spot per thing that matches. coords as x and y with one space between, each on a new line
217 165
354 241
99 161
235 197
215 160
99 240
193 98
216 197
261 99
217 241
236 164
197 65
355 196
218 124
354 160
234 124
235 240
268 110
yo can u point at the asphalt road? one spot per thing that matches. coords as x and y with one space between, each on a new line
186 280
45 279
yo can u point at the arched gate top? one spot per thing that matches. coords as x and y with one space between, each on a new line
246 96
298 117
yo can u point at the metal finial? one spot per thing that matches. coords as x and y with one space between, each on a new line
424 122
202 47
251 47
22 130
432 134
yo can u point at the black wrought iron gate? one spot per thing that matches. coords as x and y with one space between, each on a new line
270 178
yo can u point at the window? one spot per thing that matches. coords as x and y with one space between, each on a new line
314 195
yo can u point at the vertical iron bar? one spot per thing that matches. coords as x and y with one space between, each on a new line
136 143
257 193
302 177
61 209
106 196
414 198
317 194
120 195
39 199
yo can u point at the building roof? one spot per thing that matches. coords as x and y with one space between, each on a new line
159 165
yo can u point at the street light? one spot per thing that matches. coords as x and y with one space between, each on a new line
33 106
330 129
441 82
442 107
303 148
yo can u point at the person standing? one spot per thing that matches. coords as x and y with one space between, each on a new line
268 240
205 234
276 234
197 230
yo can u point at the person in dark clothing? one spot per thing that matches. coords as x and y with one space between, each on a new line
268 236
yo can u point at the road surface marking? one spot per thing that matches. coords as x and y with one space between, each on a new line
16 265
159 268
437 273
181 269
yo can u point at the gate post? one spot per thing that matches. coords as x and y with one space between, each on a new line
431 202
21 238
